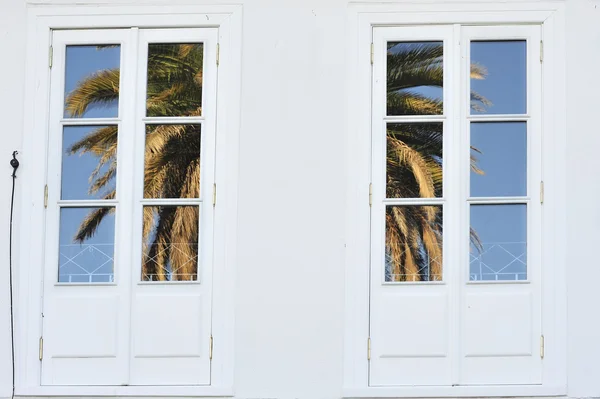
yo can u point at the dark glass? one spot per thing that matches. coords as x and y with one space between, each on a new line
498 242
170 243
92 81
499 159
415 78
86 245
89 162
499 77
413 243
174 86
414 160
172 161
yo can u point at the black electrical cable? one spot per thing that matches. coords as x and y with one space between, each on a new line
14 162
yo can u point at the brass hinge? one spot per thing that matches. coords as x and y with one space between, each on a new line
41 348
46 196
218 51
372 53
542 192
369 348
210 350
370 194
541 51
50 56
542 346
214 199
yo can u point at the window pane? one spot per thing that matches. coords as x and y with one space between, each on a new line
414 160
415 77
92 81
174 79
86 245
172 161
170 243
89 162
499 77
498 242
498 159
413 243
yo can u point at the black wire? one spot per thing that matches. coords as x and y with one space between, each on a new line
15 164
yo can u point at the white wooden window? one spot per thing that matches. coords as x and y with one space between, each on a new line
127 287
451 244
126 141
456 161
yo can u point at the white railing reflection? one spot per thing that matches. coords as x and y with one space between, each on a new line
86 263
94 263
170 277
499 261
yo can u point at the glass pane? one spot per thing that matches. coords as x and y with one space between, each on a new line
499 77
86 245
414 160
415 77
92 81
498 242
170 243
174 79
413 243
498 159
172 161
89 162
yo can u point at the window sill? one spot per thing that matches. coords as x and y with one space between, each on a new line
126 391
456 391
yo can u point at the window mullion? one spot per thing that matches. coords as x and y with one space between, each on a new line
127 181
453 178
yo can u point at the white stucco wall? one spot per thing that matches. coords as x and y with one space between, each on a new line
289 278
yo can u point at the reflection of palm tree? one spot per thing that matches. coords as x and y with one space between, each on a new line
172 154
414 161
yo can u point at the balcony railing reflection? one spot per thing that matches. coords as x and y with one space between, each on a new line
499 261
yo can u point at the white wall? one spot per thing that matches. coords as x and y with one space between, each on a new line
289 282
12 50
583 86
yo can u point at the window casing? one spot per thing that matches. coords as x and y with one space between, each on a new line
133 303
448 334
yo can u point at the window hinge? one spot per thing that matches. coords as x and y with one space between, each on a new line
541 51
542 346
370 194
214 194
372 53
542 192
369 348
46 196
218 51
210 350
50 56
41 348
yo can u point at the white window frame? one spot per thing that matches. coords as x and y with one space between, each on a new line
28 276
362 18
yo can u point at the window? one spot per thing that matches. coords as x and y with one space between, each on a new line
127 293
125 147
447 260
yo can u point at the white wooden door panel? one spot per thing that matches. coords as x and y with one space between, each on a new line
410 341
82 341
410 306
500 312
171 329
171 338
